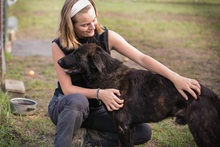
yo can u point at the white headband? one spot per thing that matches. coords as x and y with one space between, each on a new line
79 5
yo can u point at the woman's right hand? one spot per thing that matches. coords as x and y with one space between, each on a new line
110 99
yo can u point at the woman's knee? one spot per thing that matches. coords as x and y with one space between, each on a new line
142 133
76 102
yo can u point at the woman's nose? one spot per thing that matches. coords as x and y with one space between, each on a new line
92 26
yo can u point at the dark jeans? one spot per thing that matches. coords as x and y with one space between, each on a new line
70 112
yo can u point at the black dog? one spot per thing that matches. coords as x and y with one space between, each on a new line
147 97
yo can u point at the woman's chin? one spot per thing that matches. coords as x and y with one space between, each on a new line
90 34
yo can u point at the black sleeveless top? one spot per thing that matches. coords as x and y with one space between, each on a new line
77 79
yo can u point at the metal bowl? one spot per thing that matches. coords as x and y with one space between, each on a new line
23 106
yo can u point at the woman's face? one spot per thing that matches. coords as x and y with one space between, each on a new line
85 23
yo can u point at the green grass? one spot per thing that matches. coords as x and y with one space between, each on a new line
15 130
179 33
153 22
38 19
178 135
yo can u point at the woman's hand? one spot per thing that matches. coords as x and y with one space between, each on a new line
183 83
109 98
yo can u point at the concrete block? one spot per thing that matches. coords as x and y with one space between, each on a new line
13 23
15 88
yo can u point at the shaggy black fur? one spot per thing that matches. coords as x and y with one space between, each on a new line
147 97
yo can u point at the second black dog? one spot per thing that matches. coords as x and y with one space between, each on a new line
147 97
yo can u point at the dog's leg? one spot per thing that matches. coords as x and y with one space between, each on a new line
126 135
125 128
203 122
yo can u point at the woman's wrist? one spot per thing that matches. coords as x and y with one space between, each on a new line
174 76
97 93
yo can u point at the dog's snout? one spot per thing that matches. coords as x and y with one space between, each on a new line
59 62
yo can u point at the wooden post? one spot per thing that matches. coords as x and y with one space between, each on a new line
3 33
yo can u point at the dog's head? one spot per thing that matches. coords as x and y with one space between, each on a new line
86 59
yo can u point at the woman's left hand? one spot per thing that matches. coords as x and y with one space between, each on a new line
183 83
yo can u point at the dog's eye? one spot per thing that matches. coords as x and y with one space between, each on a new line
91 64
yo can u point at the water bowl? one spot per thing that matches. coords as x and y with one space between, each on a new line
23 106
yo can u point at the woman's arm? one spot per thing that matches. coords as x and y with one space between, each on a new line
116 42
106 95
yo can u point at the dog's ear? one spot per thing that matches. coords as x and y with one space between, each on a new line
97 60
96 56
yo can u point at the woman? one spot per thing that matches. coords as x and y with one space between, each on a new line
74 104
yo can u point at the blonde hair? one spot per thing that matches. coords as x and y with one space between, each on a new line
66 31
